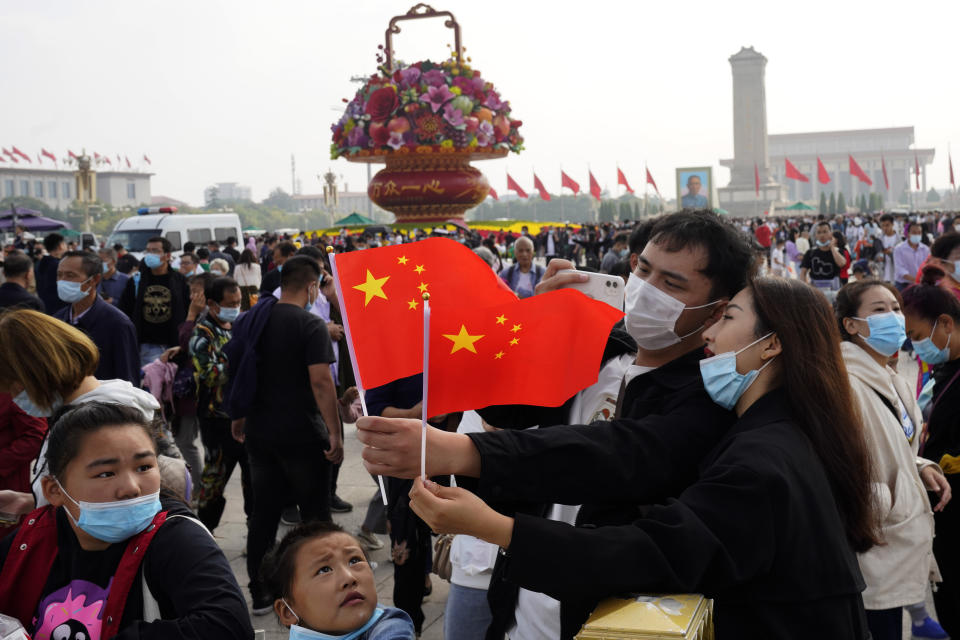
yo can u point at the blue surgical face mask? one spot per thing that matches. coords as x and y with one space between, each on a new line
931 353
228 314
71 292
914 238
32 409
105 267
302 633
152 260
118 520
887 332
721 379
823 243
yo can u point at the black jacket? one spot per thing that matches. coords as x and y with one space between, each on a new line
758 531
131 302
669 425
13 296
115 337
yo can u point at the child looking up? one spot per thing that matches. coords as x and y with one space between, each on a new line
323 587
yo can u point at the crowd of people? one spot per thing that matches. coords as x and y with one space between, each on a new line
748 437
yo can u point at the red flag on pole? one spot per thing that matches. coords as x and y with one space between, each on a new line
513 186
569 183
756 178
96 156
47 154
72 155
107 160
622 179
544 194
22 155
483 355
493 193
794 174
950 161
128 161
381 293
858 173
147 159
652 182
594 186
1 159
822 176
916 172
886 181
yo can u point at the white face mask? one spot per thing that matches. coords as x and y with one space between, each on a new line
651 315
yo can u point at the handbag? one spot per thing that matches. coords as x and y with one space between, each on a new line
442 566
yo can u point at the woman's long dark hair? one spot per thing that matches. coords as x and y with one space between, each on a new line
815 380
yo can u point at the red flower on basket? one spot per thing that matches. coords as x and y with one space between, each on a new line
381 103
429 127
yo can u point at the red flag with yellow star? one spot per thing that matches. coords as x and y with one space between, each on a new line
540 350
381 292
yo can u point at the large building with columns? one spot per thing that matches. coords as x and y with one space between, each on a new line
57 188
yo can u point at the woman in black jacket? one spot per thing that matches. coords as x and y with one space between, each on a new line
770 528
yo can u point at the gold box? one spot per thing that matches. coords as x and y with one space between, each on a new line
651 617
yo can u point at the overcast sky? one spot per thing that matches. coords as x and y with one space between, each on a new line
225 91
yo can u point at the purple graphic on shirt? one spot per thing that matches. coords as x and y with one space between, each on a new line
73 612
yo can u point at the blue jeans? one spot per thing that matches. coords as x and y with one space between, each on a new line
150 352
467 615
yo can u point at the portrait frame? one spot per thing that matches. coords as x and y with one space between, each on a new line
706 185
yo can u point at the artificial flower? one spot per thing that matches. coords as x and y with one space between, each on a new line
396 140
453 116
435 78
436 97
493 101
429 127
484 134
409 76
379 133
381 103
463 104
357 137
447 144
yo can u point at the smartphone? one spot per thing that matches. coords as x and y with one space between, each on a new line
8 519
602 287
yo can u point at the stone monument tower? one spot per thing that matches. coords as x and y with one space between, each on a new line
749 139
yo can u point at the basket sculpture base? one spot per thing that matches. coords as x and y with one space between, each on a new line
428 188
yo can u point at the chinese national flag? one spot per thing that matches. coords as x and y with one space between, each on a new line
569 183
822 176
950 161
756 178
1 159
858 173
128 161
493 193
594 186
381 293
794 174
886 181
517 352
513 186
651 181
622 179
916 168
47 154
27 158
544 194
146 159
71 154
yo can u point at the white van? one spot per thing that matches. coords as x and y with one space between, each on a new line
199 228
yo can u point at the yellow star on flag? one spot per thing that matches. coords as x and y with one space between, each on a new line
462 340
403 260
413 304
422 287
501 319
419 269
372 288
498 355
514 341
516 328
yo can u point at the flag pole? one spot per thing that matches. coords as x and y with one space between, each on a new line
426 386
353 358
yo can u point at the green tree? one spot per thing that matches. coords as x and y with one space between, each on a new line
280 199
932 195
823 203
862 203
626 210
832 209
211 197
841 203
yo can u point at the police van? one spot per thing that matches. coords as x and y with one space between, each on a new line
198 228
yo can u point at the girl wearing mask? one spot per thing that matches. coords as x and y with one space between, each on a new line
769 529
112 556
945 255
897 571
933 324
46 365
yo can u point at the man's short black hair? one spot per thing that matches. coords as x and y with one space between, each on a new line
167 247
729 254
640 235
299 272
913 224
218 287
91 262
52 242
193 257
188 247
824 223
887 217
213 244
231 240
203 253
286 249
203 279
117 246
622 238
16 264
311 252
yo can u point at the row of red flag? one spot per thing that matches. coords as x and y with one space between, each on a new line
486 347
566 182
15 155
823 176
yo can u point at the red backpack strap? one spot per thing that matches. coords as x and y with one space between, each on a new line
126 574
27 565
